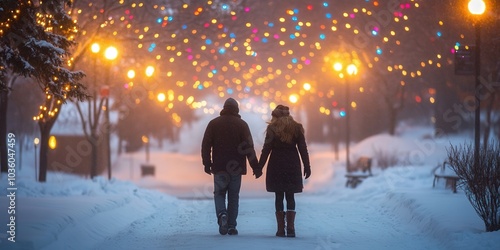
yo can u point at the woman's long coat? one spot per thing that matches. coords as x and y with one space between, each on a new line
284 173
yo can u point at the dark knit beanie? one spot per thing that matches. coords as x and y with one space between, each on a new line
230 103
281 111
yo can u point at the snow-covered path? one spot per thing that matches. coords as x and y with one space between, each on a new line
347 225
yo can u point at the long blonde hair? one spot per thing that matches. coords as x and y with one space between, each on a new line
285 128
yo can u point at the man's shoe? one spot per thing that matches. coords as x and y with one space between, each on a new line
232 231
223 223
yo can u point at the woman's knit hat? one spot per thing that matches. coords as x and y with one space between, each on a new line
281 111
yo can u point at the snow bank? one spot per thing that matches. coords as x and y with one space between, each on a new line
72 213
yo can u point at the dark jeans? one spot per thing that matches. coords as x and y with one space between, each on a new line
225 183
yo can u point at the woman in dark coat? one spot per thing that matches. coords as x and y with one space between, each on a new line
284 142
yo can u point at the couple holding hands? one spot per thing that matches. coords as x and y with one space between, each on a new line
227 145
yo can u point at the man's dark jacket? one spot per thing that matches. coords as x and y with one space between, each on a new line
227 143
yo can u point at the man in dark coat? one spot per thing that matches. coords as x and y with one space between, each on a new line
227 144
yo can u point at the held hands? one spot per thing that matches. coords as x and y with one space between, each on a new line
307 172
257 173
208 170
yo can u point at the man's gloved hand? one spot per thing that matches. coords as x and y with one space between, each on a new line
257 173
208 170
307 172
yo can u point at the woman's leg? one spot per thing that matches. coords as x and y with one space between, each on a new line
290 201
278 203
290 214
280 214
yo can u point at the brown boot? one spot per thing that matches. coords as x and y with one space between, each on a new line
290 223
280 218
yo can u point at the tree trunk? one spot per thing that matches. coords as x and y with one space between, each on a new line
45 128
4 98
392 120
93 142
44 152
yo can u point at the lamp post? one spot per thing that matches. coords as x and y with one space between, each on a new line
36 141
95 48
110 53
149 73
351 71
477 8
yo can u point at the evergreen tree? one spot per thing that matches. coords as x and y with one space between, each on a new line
35 40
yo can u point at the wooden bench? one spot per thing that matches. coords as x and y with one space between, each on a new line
147 169
445 172
361 170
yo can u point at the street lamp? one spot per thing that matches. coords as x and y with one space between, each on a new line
95 48
351 71
111 53
36 141
149 71
477 8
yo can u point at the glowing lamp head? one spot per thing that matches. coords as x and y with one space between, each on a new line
111 53
161 97
307 86
131 74
477 7
95 48
352 69
150 70
337 66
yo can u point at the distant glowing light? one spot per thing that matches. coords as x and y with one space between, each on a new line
52 142
293 98
322 36
477 7
307 86
161 97
352 69
111 53
337 66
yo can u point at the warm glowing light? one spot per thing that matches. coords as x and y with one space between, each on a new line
145 139
131 74
150 70
337 66
307 86
95 48
111 53
161 97
352 69
52 142
477 7
36 141
293 98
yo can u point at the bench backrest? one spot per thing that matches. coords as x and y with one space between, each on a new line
363 164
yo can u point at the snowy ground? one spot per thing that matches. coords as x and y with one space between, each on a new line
396 209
